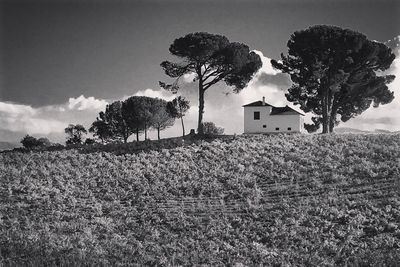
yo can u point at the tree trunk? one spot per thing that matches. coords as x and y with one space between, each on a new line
158 133
333 118
201 107
325 121
137 134
183 127
327 112
125 131
331 124
145 132
125 135
331 113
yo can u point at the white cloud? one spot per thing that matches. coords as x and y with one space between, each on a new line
83 103
50 119
41 126
15 110
266 64
188 77
24 118
163 94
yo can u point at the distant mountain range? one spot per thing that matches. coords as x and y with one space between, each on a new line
349 130
8 145
353 130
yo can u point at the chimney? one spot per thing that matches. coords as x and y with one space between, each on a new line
263 103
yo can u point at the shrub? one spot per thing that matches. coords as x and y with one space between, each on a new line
43 142
75 134
210 128
89 141
29 141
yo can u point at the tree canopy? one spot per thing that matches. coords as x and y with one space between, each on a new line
101 129
31 142
143 113
212 58
135 115
336 74
161 118
116 119
177 108
75 134
135 111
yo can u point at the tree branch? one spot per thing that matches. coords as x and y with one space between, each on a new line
214 81
210 74
174 70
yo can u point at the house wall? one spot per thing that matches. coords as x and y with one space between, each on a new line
282 122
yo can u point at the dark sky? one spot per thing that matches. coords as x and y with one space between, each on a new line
107 49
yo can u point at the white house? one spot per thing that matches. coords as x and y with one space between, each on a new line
261 117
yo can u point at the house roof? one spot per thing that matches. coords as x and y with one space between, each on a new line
258 104
284 111
275 110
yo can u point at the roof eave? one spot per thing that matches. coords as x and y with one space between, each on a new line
298 113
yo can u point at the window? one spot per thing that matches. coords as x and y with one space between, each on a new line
264 126
276 129
256 115
289 128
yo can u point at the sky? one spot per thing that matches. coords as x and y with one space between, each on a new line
62 61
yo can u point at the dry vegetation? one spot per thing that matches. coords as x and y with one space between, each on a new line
260 200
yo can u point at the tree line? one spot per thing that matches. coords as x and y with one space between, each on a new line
121 119
135 116
336 75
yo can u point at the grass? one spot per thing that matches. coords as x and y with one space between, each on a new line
319 200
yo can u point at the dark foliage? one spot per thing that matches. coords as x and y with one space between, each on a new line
44 142
211 129
212 58
102 130
177 109
31 142
90 141
161 119
75 134
335 74
135 115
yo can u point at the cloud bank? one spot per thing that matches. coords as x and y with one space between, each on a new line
48 120
83 103
163 94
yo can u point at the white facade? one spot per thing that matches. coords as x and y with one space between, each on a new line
260 117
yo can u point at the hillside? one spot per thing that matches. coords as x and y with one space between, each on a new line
256 200
349 130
